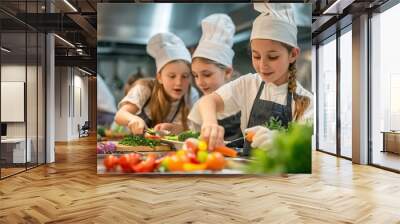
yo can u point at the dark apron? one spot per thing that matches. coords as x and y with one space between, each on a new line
231 125
263 110
148 121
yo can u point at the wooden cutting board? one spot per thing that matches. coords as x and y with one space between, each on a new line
126 148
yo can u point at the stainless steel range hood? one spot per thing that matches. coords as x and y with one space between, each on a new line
136 23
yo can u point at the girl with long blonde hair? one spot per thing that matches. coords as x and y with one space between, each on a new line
165 99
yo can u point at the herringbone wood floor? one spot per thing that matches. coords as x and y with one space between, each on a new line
70 191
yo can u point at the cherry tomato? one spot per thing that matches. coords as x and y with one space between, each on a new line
159 161
191 145
165 163
175 163
147 165
202 156
134 158
202 145
149 136
192 158
215 161
124 162
110 161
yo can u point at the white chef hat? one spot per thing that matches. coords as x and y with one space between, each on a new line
166 47
276 22
217 39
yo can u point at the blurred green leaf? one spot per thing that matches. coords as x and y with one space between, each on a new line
101 131
290 152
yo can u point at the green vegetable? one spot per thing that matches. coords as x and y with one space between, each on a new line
275 124
188 134
101 131
202 156
171 137
136 140
290 152
118 129
151 131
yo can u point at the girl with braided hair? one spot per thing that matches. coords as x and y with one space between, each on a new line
272 92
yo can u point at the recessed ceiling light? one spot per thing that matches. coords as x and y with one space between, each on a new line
84 71
5 49
70 5
332 8
65 41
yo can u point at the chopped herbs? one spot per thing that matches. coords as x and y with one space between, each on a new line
136 140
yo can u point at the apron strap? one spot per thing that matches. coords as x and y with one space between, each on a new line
144 116
176 112
289 106
173 117
147 102
260 89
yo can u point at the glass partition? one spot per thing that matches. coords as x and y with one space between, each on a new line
22 88
385 89
13 95
327 96
346 93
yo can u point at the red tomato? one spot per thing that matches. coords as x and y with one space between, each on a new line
192 158
191 146
149 136
159 161
134 158
110 161
146 166
215 161
124 162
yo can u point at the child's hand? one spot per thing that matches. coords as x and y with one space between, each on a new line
170 127
263 136
213 134
136 126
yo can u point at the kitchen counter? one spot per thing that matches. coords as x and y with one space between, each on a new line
232 167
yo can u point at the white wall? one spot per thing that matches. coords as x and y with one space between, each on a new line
71 93
34 125
13 73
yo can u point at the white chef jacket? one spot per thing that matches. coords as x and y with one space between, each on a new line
238 95
139 94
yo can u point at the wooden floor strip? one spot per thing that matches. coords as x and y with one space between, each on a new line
70 191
